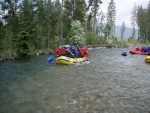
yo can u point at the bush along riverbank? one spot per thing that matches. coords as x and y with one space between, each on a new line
11 54
8 55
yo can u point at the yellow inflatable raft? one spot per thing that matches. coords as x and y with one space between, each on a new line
68 60
147 59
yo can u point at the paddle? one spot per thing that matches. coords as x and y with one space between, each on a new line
91 57
51 58
77 62
80 50
83 53
73 56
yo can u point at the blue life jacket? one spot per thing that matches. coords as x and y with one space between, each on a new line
145 49
74 51
149 49
71 48
77 53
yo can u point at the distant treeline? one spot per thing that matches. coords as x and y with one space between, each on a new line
30 25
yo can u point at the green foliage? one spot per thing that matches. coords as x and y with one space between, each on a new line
35 25
73 10
111 16
111 13
54 42
131 40
94 6
148 21
107 30
125 44
23 49
93 39
2 34
6 54
77 34
143 22
80 11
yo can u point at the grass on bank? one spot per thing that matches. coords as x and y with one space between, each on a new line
94 40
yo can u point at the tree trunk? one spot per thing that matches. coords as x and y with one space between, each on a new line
94 25
61 24
48 39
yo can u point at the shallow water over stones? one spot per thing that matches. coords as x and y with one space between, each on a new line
111 83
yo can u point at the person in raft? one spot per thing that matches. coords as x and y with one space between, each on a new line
61 51
148 51
74 52
83 51
144 49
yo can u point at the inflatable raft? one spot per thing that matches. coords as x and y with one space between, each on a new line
67 60
147 59
138 51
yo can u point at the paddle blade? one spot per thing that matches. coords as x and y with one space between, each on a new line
91 57
50 59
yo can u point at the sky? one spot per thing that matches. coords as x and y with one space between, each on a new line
123 9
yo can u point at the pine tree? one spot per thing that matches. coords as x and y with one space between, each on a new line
89 23
123 27
80 10
148 21
25 37
134 19
142 23
2 37
94 4
111 16
10 20
101 23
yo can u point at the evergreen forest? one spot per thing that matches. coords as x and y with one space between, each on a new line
40 26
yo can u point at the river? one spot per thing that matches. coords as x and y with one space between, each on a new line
111 83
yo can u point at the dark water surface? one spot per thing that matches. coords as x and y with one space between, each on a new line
111 83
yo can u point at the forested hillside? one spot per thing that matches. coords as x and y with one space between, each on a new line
27 26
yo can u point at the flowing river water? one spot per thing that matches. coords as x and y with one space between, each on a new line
111 83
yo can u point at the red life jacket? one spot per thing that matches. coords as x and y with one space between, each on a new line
60 52
83 52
